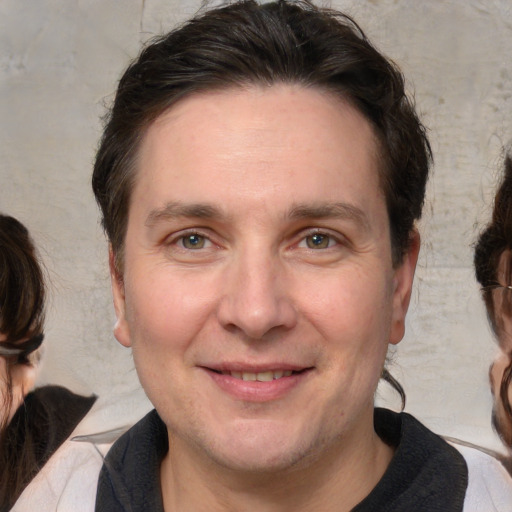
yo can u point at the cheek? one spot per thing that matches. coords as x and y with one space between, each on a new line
165 313
353 318
355 309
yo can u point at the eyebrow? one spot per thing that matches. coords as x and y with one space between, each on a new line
319 211
331 211
175 210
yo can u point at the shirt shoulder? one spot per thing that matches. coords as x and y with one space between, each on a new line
67 482
69 479
489 484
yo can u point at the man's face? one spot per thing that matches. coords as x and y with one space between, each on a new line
258 247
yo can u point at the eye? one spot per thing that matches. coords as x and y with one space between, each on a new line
194 241
318 241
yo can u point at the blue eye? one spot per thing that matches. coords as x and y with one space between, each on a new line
193 241
318 241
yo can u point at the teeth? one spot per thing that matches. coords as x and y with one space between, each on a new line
260 376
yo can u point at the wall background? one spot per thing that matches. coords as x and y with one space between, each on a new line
59 64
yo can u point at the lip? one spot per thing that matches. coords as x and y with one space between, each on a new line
255 390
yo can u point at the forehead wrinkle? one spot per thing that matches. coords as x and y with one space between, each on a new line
330 211
177 209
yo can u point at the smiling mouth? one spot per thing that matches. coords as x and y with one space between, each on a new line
258 384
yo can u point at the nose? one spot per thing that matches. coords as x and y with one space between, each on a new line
256 298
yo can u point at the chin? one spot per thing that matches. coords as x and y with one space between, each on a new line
254 461
258 448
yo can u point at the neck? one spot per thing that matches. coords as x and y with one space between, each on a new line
337 479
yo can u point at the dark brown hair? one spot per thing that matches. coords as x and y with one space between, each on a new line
22 289
22 301
246 43
495 241
22 298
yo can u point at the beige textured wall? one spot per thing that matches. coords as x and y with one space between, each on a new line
59 62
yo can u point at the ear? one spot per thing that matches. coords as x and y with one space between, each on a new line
121 329
403 279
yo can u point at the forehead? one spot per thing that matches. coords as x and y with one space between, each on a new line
258 145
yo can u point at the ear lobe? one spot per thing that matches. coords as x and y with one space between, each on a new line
121 329
403 280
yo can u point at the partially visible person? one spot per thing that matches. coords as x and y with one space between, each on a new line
33 424
493 267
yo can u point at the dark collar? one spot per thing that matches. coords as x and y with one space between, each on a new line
130 478
425 475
